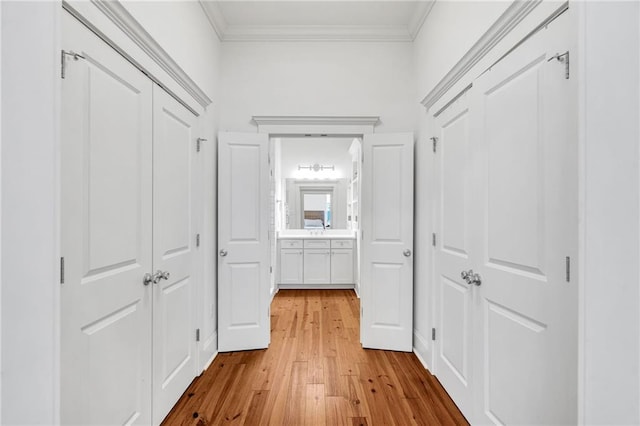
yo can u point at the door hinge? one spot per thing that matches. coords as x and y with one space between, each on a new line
568 269
433 239
271 269
199 143
361 311
197 240
433 334
63 60
62 270
434 140
197 334
563 58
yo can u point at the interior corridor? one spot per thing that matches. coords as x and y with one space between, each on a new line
315 372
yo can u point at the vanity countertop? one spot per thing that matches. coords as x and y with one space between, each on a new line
333 234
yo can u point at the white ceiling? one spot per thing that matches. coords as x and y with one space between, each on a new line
381 20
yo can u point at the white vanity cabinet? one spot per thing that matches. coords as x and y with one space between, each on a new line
316 263
291 261
342 262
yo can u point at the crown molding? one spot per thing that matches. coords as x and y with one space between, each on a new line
514 14
419 17
317 125
393 33
316 33
132 28
214 15
315 119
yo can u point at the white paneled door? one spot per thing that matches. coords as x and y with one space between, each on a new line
506 168
387 242
174 240
525 208
106 235
128 212
454 215
243 241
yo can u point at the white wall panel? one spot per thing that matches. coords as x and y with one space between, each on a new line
30 292
610 103
317 78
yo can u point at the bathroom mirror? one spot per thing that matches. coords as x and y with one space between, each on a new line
316 208
316 205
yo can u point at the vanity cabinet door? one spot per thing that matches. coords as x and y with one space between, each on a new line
317 266
341 266
291 262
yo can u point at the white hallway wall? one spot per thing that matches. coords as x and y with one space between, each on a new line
30 146
309 151
317 78
29 370
610 220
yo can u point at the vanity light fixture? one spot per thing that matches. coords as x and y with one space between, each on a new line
317 167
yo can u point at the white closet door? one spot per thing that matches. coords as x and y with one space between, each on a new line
387 242
174 240
106 235
454 214
243 241
524 120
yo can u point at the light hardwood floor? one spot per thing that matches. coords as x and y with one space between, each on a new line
315 372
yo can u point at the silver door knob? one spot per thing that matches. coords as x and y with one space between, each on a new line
223 253
472 278
160 275
147 279
407 253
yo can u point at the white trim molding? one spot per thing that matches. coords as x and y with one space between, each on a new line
514 14
417 20
316 125
211 346
421 350
214 15
317 33
388 33
136 32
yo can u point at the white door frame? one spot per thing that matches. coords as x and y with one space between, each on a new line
277 126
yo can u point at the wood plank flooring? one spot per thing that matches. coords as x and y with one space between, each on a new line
315 372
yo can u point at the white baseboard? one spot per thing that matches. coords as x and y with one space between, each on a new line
316 286
210 346
421 349
208 363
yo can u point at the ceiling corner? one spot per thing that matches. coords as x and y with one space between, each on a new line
215 16
423 9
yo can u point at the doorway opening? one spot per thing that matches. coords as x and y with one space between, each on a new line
314 194
258 255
